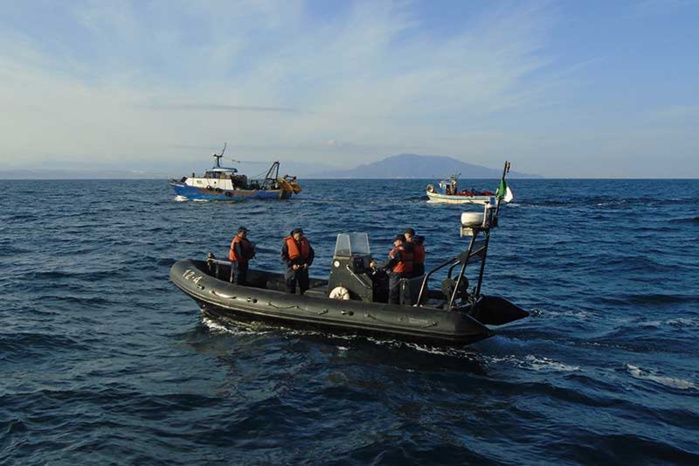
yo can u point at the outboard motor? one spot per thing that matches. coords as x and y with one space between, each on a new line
350 274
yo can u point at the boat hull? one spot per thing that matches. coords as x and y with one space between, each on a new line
264 300
457 198
218 194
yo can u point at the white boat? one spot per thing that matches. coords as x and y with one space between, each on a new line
448 192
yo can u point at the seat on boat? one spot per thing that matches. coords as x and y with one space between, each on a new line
409 289
449 285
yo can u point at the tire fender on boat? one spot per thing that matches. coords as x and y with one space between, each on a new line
340 292
430 188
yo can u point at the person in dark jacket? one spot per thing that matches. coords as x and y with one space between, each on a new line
418 243
399 265
297 255
240 252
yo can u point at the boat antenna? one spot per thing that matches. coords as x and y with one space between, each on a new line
219 156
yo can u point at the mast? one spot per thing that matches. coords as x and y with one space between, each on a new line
219 156
482 229
272 174
503 188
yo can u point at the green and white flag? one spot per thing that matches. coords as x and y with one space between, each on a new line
502 189
504 192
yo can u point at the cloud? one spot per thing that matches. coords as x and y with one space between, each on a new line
119 79
338 82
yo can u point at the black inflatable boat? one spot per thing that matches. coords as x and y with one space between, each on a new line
354 297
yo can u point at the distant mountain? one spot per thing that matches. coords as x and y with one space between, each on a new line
419 166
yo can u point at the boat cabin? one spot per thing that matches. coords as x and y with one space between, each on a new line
450 186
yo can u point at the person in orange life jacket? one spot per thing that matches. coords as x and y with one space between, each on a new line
418 251
297 255
399 265
240 252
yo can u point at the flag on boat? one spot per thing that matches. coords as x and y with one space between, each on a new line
503 189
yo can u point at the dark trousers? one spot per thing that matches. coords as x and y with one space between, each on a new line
418 269
294 276
239 273
394 286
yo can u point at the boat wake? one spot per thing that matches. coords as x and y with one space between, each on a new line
239 328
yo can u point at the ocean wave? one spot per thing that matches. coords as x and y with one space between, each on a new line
12 248
538 363
684 322
658 298
17 347
638 373
578 314
535 363
686 220
634 447
104 360
42 276
235 328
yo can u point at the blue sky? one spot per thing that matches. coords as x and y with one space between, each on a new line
568 88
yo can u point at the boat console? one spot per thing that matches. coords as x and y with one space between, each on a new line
351 277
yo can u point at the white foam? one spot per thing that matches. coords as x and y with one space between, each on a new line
213 325
535 363
217 327
638 373
546 364
683 322
582 315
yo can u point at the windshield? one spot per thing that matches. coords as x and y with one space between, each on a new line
349 244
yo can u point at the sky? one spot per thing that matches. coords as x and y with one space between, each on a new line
562 89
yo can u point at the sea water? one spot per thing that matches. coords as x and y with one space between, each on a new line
104 361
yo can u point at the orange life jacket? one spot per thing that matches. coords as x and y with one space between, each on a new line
405 264
293 246
245 245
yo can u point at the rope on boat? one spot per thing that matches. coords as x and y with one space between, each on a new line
223 295
269 303
319 313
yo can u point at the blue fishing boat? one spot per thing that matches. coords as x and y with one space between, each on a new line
227 184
